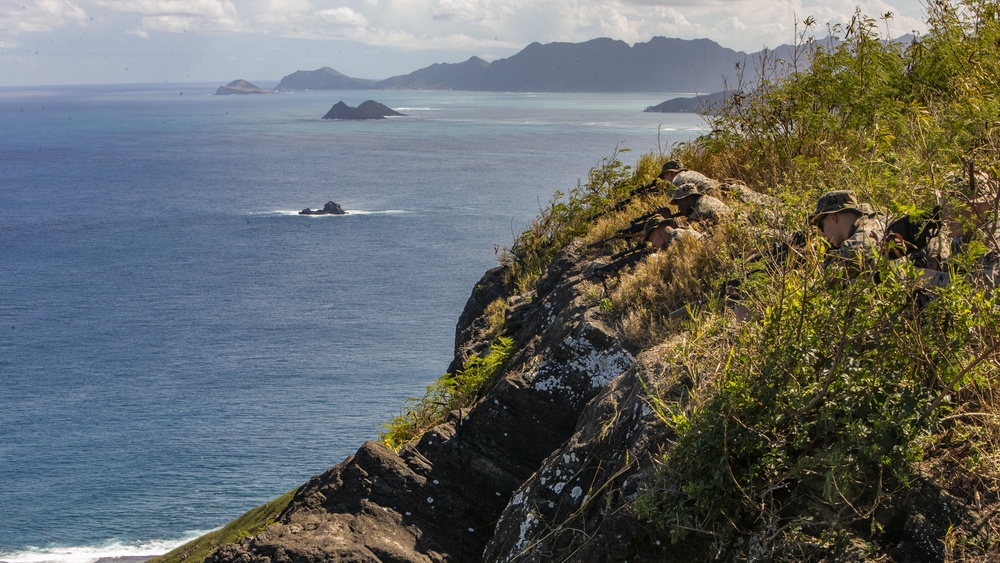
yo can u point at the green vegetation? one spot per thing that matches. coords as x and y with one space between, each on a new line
804 420
808 421
821 413
450 392
253 521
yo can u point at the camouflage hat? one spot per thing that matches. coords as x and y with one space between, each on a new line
653 223
835 202
684 191
672 166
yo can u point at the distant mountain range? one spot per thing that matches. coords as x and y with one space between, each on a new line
598 65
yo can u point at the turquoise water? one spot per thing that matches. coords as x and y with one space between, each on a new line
177 345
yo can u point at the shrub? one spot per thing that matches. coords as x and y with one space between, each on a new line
451 391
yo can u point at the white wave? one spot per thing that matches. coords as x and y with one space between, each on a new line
111 549
349 212
378 212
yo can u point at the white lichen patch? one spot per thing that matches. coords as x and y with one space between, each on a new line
597 365
576 492
530 521
569 458
601 365
554 384
558 487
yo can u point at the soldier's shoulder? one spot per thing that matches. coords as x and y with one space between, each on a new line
871 222
713 203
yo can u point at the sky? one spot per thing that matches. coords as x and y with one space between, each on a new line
52 42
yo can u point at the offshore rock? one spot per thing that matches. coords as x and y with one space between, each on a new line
240 87
367 110
331 208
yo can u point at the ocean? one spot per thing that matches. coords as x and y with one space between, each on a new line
178 345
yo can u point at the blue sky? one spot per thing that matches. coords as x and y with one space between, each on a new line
45 42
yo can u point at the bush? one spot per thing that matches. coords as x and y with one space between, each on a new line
820 411
451 391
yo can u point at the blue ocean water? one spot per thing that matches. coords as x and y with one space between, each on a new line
177 345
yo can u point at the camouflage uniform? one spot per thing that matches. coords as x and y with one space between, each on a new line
685 176
865 237
705 184
861 248
986 268
707 209
675 233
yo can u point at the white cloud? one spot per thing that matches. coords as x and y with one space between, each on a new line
178 16
471 24
383 36
39 16
342 16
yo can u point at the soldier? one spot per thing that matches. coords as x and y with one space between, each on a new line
971 211
674 172
693 204
660 231
853 231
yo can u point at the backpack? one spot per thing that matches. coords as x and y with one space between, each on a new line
907 235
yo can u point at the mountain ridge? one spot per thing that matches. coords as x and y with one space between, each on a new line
599 65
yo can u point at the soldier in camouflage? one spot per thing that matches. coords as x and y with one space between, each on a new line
693 204
660 232
674 172
971 208
854 232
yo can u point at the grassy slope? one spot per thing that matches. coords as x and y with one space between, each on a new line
253 521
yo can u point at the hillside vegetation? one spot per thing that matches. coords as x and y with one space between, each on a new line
818 422
728 398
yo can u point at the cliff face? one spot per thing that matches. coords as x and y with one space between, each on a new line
546 465
546 443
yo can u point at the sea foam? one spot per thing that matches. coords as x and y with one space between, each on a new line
112 550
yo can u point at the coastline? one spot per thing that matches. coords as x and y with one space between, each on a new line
111 551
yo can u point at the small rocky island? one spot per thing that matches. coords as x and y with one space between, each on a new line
696 104
241 87
331 208
367 110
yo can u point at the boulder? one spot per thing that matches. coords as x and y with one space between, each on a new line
331 208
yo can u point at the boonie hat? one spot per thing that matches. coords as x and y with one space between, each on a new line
685 190
834 202
671 166
652 224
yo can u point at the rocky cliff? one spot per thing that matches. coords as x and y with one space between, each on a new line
553 458
535 451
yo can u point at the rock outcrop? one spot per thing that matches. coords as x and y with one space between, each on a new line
546 465
695 104
241 87
494 476
330 208
367 110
